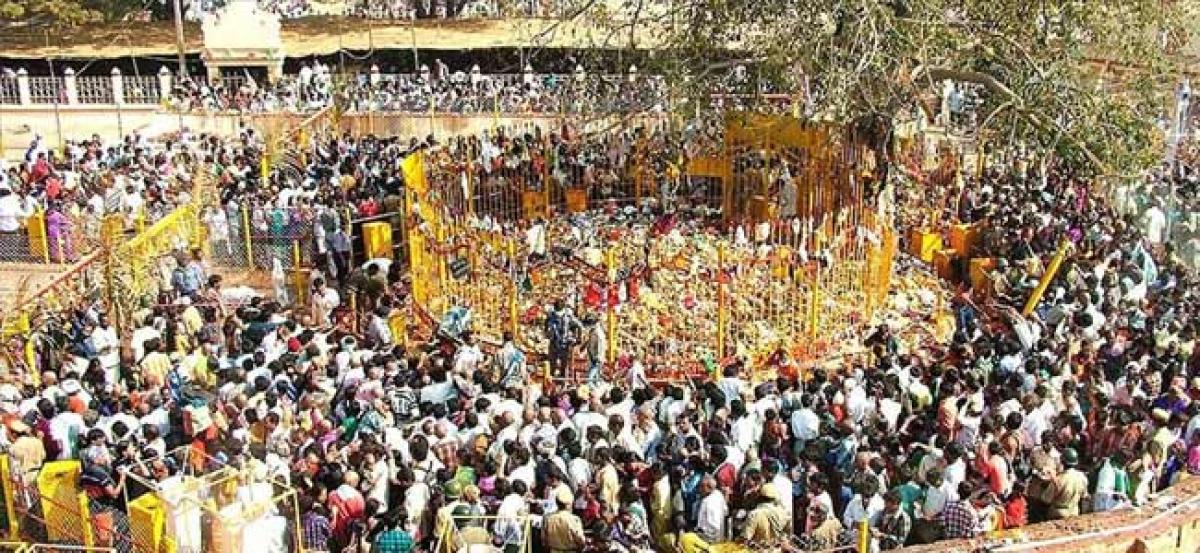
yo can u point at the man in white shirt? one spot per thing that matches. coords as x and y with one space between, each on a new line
13 210
806 425
711 512
108 348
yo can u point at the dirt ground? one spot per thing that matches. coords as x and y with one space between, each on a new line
309 36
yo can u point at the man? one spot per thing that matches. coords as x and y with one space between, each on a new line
766 526
510 363
597 348
108 347
894 525
562 330
712 512
14 210
960 518
1067 490
562 531
346 504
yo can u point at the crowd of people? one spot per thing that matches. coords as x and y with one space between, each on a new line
398 440
438 90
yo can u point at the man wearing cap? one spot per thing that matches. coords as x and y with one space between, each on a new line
562 531
28 453
1065 493
767 523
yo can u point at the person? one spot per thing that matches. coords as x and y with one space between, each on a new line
597 348
394 537
562 330
766 525
895 524
1066 493
562 530
711 513
960 518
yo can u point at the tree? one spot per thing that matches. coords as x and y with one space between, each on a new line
66 13
1038 62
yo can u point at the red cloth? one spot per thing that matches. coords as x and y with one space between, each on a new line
347 505
1015 513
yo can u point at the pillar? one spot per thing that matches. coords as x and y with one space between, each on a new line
23 87
118 87
164 83
71 85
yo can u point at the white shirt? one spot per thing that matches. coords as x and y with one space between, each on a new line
13 212
805 424
107 338
1154 224
710 517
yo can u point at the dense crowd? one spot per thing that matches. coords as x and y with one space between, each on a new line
399 441
438 90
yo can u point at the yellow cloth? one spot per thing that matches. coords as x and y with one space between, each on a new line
155 367
693 543
563 531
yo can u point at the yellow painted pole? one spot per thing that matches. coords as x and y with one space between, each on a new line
864 537
264 167
10 510
722 304
441 259
1047 277
354 311
246 237
299 279
41 220
610 261
85 516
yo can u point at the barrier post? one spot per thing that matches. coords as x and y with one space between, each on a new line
85 518
246 237
610 261
297 277
10 509
354 312
722 301
864 537
1047 277
38 237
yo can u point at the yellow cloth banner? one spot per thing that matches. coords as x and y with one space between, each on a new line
413 168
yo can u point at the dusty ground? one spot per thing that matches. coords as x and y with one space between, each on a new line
308 36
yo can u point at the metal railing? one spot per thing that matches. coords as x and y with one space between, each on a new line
47 90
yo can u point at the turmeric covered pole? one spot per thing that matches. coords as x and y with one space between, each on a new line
1047 277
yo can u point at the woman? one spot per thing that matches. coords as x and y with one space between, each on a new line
103 493
58 234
